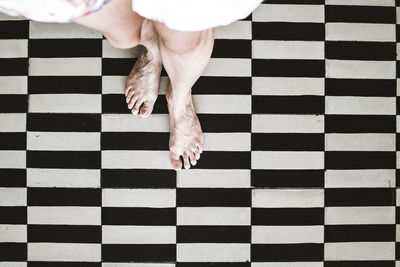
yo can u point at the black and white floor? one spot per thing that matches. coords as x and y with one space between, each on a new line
298 106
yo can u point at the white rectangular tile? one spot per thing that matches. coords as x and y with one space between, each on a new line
360 142
288 50
359 251
157 198
235 30
274 234
113 234
13 85
360 105
110 51
13 48
13 264
361 2
10 196
212 252
231 67
222 104
63 141
359 215
71 252
263 123
213 216
13 122
287 160
72 178
287 86
60 30
113 84
65 103
135 159
131 123
289 13
64 215
65 66
12 159
361 69
13 233
276 198
213 178
360 32
372 178
227 141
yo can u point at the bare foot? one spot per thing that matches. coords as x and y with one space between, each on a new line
143 80
186 137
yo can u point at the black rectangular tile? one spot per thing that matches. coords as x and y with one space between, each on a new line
62 264
374 263
222 85
288 31
138 216
224 160
13 103
355 50
138 252
67 122
116 104
288 68
213 264
130 141
346 197
13 215
287 178
213 197
53 48
64 85
140 178
287 142
287 252
117 66
14 29
213 234
12 141
13 66
231 48
360 160
307 104
360 14
360 124
287 216
225 122
64 159
13 251
64 233
38 196
360 87
360 233
12 177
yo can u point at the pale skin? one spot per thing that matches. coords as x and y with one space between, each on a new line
184 55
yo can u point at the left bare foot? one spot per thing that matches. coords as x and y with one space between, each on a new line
142 84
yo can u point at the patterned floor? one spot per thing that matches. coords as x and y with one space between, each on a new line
298 106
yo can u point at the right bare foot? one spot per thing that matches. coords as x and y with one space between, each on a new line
186 137
142 84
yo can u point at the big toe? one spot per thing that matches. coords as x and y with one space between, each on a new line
175 161
146 109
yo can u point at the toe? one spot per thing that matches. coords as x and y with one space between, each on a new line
146 109
137 105
132 102
129 93
197 154
186 161
193 160
200 147
175 161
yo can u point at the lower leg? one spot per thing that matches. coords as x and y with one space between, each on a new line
185 56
